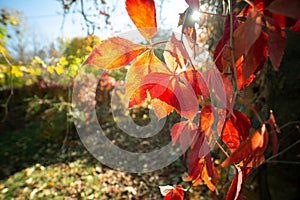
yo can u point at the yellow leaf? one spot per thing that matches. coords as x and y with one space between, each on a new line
114 53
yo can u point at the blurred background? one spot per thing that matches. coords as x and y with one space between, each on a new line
44 43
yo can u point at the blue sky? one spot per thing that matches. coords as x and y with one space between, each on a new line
45 17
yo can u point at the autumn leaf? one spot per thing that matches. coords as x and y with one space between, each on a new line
143 15
146 63
172 193
251 150
195 164
246 34
114 53
253 61
202 170
183 132
236 129
276 42
175 54
161 108
219 87
222 46
170 89
195 79
289 9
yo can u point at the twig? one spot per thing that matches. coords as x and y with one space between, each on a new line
283 162
289 123
283 151
222 149
231 45
11 87
213 14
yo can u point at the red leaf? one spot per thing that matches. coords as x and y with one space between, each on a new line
170 89
259 5
114 53
220 48
246 34
187 102
251 150
195 79
183 132
289 9
241 123
219 87
175 194
209 173
143 15
194 4
203 171
276 42
253 61
236 129
199 149
157 85
296 27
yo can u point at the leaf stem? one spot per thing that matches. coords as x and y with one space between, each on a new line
159 42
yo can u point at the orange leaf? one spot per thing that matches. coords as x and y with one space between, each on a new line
146 63
203 171
161 108
175 54
251 150
143 15
114 53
